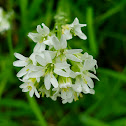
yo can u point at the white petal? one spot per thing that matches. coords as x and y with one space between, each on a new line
19 63
76 21
73 58
61 72
86 89
22 72
77 87
39 47
47 57
92 76
36 74
47 81
25 90
35 68
64 101
32 57
54 82
69 94
39 29
37 94
45 29
67 34
56 43
38 79
47 42
25 77
62 65
63 42
89 82
74 51
86 56
74 74
63 94
19 56
89 64
92 91
81 35
24 85
52 54
31 93
36 37
40 60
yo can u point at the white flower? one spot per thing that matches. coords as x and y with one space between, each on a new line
46 61
64 91
41 35
38 50
61 46
89 62
66 32
53 69
82 86
29 85
61 69
75 29
44 91
4 23
50 79
23 61
32 72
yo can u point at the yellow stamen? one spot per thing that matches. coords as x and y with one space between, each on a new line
33 80
81 95
75 97
29 88
65 89
27 70
43 94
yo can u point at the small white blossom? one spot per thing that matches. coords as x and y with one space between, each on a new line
23 61
61 46
4 21
30 86
41 35
75 29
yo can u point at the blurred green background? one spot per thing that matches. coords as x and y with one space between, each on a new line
106 32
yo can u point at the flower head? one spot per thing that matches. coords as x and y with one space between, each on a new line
53 70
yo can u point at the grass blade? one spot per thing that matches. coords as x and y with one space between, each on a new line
35 108
91 33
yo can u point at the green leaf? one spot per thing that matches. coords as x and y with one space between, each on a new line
34 8
100 19
114 74
90 121
91 33
14 103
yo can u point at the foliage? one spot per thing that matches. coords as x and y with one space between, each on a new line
106 42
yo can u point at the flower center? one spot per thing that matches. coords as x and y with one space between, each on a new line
29 88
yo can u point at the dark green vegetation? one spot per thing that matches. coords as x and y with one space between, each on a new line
106 32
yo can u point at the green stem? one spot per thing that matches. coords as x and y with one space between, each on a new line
91 33
9 40
35 108
2 86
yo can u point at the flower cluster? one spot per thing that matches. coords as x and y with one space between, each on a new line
4 20
53 70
